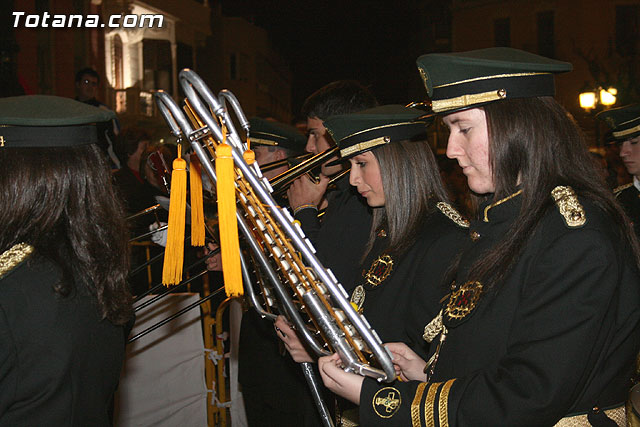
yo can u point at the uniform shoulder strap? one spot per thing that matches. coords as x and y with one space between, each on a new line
451 213
13 256
569 206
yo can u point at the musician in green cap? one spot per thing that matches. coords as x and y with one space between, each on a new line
541 323
625 131
272 142
65 306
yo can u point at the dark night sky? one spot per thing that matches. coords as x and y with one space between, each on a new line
371 41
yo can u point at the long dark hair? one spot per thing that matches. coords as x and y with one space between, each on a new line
411 183
61 201
534 141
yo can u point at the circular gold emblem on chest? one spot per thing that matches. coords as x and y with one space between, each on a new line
380 269
463 300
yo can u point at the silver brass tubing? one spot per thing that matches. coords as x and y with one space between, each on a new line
291 312
312 382
251 295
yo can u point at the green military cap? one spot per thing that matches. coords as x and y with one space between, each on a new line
624 122
356 133
456 81
48 121
268 132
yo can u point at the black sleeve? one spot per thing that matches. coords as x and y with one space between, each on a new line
8 374
309 222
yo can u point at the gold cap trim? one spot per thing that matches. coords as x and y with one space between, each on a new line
365 145
498 76
467 100
626 131
263 141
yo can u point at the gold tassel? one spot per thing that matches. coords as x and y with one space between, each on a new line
197 209
174 253
227 222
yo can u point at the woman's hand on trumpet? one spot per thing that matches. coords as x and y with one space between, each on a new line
409 366
342 383
291 341
304 192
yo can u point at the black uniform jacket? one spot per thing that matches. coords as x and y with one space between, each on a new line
629 197
341 237
402 293
557 337
59 363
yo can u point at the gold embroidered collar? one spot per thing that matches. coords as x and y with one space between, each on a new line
499 202
13 256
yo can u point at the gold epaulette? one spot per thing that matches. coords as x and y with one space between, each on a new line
621 188
569 206
13 256
451 213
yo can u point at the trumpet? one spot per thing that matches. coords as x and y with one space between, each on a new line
289 162
281 183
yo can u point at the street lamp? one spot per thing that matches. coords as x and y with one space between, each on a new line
608 96
590 99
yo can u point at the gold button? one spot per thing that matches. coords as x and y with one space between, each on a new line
474 235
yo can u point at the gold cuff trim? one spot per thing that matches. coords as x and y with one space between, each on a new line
569 206
13 256
415 405
626 132
429 404
467 100
498 76
443 404
364 146
263 141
